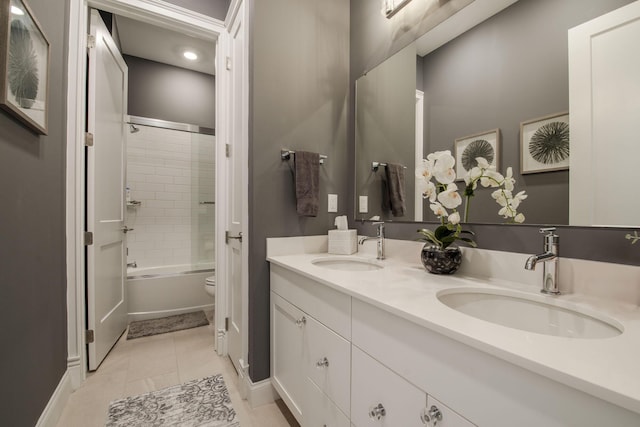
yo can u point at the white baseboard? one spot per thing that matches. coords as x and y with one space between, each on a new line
260 393
55 406
75 371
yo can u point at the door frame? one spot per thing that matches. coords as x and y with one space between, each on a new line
169 16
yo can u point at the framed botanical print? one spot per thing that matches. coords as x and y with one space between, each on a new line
544 144
468 148
24 65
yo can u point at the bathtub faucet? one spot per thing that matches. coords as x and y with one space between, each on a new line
132 264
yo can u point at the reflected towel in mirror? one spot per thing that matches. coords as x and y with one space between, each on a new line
394 193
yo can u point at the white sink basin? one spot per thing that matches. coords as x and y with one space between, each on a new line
530 313
347 263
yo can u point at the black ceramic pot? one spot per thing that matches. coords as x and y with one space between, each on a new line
441 261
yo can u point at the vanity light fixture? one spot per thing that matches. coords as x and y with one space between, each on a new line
17 11
191 56
391 7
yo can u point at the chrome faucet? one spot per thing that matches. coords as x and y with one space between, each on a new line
379 237
550 262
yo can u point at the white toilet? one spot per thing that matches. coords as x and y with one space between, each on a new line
210 285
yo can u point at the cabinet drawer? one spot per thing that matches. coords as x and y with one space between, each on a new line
319 410
329 363
375 386
449 417
328 306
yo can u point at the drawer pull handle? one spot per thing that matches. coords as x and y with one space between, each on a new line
301 322
431 416
377 412
322 363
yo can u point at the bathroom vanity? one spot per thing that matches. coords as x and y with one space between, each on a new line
361 342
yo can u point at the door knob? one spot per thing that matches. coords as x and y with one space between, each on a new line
377 412
324 362
431 416
126 229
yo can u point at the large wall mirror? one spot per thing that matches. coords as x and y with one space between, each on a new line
509 75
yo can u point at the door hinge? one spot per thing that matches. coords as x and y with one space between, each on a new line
228 63
88 238
228 236
227 150
226 324
91 41
88 139
89 336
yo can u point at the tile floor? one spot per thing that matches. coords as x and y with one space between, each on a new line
147 364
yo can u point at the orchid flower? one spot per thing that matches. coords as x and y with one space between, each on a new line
428 190
443 167
438 210
445 199
450 198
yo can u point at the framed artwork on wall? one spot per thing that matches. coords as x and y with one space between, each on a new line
24 66
468 148
544 144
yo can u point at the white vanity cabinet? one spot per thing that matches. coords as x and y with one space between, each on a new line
311 349
346 359
324 379
380 397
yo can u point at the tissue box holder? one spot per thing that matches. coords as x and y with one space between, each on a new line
343 242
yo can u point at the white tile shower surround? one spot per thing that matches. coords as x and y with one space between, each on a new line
151 363
170 172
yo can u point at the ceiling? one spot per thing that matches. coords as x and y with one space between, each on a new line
165 46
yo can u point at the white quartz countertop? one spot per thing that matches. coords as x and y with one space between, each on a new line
607 368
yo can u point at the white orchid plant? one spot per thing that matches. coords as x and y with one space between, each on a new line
445 199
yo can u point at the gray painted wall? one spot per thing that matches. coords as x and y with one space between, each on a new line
213 8
511 68
32 244
165 92
385 130
299 86
588 243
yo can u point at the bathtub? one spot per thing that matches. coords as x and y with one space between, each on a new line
164 291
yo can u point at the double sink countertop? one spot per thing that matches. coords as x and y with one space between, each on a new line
608 368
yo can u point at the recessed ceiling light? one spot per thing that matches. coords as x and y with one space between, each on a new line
191 56
16 10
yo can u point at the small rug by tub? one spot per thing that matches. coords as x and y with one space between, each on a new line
203 402
145 328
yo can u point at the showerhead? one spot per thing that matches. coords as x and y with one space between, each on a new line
133 128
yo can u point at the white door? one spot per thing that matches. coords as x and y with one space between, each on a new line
604 104
106 257
419 200
237 172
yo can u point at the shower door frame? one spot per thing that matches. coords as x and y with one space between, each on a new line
171 17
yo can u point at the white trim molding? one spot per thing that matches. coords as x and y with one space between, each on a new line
75 186
155 12
57 402
260 393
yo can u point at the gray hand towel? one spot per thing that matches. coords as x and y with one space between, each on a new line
307 170
395 188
